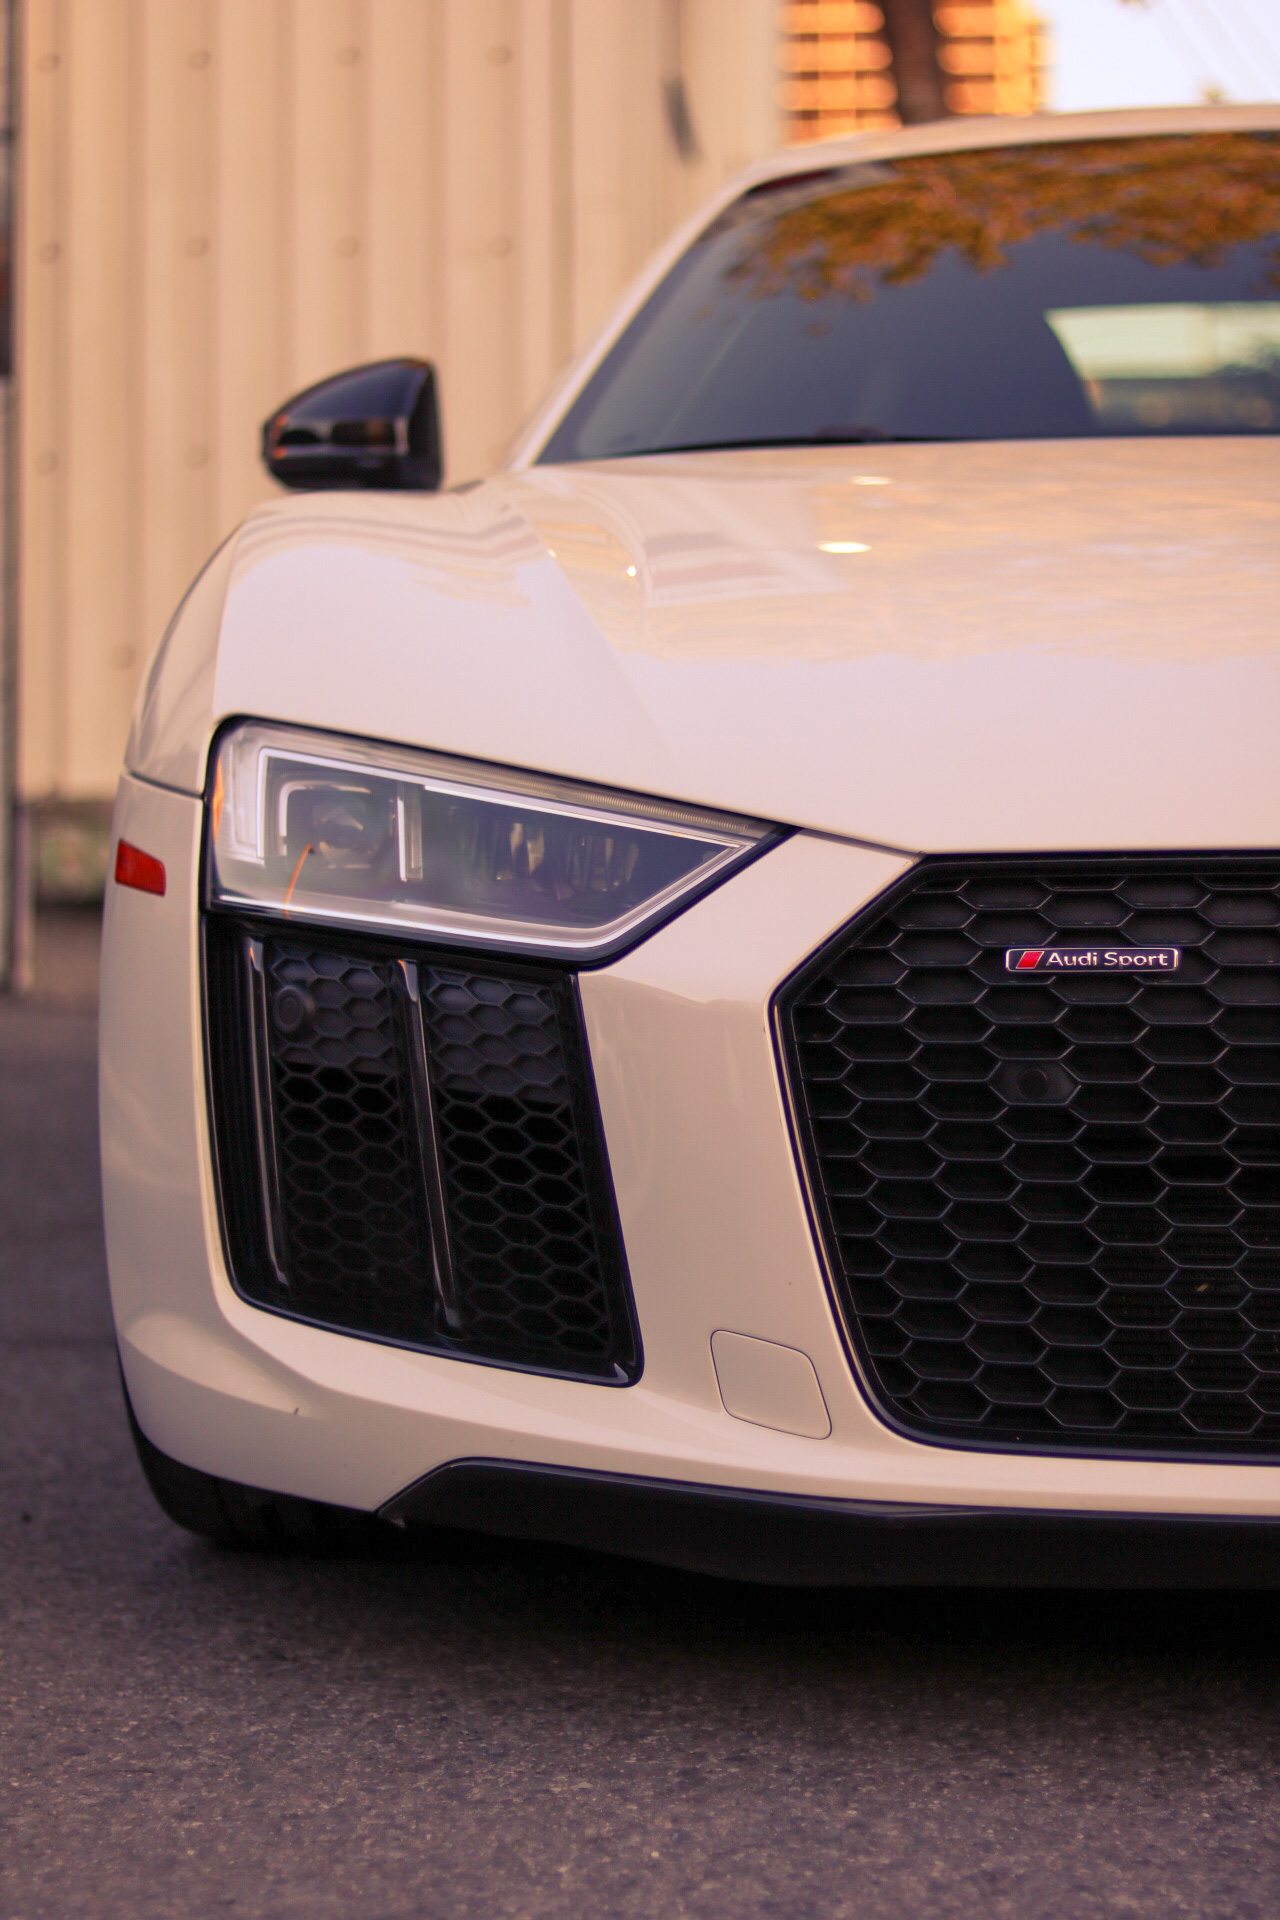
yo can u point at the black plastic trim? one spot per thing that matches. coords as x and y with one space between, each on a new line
790 1540
429 1147
238 1177
814 963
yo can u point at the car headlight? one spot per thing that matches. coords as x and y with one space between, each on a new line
313 827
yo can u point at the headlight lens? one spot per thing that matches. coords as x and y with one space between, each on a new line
318 828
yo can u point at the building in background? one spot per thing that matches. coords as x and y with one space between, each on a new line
220 201
837 73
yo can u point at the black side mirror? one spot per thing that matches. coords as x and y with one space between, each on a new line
376 426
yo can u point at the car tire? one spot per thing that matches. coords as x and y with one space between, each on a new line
232 1515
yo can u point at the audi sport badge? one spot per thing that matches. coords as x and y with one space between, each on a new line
1146 960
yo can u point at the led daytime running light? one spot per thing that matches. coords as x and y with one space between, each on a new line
317 828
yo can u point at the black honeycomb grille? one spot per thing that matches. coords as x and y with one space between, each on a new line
409 1149
356 1241
1051 1207
519 1211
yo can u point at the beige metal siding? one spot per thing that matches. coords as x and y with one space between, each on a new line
222 200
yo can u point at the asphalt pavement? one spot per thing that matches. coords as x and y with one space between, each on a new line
475 1729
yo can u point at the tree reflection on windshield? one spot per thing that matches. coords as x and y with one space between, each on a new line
1183 200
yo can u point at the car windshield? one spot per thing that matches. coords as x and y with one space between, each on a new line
1035 292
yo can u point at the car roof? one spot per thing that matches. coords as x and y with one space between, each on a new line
962 135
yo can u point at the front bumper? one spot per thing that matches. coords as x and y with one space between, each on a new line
713 1217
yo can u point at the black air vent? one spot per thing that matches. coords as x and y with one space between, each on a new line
1051 1205
409 1149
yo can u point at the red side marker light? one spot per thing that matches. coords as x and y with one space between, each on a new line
134 868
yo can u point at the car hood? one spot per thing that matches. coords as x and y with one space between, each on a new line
999 646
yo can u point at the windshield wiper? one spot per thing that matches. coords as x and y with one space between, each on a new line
828 437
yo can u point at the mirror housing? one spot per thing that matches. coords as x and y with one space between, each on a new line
374 426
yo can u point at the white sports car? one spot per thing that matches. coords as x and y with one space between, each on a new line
717 994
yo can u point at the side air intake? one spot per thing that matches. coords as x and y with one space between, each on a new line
409 1149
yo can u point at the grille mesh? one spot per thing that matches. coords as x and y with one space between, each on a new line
1051 1206
357 1247
519 1210
521 1260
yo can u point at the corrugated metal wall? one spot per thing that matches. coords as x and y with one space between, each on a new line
222 200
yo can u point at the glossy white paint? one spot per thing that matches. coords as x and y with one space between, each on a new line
175 701
1035 638
1020 646
713 1218
768 1385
